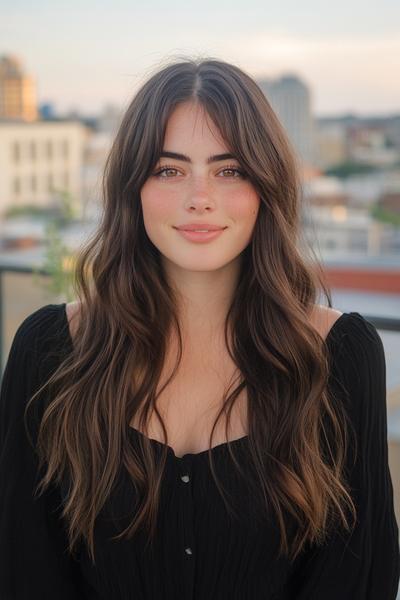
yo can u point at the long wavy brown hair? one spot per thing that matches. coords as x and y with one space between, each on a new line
297 433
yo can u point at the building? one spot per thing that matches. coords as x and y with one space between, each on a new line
39 160
337 226
371 145
17 91
331 145
97 149
290 98
390 202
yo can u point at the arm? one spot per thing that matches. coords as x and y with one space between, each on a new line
34 563
364 565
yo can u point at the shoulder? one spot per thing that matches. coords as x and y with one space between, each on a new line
39 325
356 348
35 351
361 348
323 318
72 312
40 335
359 367
353 330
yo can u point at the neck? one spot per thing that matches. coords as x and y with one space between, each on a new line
204 298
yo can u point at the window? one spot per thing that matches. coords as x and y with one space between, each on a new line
65 148
16 152
17 185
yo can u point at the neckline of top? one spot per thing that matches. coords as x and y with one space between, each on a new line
238 441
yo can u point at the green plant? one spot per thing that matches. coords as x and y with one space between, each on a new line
385 216
28 210
346 169
58 263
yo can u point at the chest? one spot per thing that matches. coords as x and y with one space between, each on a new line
190 404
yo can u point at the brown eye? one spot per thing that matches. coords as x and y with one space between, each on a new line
162 173
237 172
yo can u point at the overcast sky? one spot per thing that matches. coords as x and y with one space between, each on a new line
85 54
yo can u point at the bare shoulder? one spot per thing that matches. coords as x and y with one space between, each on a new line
323 318
72 311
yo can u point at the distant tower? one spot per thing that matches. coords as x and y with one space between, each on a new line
290 98
17 91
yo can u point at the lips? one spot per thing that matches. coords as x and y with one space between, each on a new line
199 236
199 227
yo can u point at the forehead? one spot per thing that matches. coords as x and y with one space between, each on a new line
188 123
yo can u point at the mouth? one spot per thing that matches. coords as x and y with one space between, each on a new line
200 235
200 228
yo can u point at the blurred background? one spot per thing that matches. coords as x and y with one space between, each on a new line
330 71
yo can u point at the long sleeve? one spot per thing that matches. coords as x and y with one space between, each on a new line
364 565
34 563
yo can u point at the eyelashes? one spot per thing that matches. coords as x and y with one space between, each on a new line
234 168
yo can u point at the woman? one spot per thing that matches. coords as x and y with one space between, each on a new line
197 425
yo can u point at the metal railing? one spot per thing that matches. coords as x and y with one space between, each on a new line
24 270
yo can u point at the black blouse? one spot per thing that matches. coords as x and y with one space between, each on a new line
199 553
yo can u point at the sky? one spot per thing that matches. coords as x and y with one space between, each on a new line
86 54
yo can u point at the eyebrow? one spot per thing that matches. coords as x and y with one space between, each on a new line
210 159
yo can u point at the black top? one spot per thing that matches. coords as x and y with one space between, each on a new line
199 554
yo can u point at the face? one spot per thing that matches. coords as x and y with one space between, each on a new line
190 188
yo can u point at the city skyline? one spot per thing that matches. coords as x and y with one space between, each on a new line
102 55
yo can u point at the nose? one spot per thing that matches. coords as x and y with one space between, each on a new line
199 196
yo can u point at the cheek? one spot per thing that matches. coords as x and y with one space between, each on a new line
243 206
156 205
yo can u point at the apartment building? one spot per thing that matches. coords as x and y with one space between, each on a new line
39 159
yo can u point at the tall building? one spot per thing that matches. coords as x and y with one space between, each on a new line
17 91
290 98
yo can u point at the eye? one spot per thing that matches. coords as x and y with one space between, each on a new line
162 173
165 172
237 172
